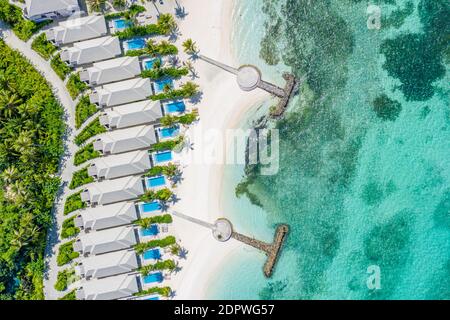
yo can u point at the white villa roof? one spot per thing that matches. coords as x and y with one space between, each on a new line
111 191
92 50
109 216
109 264
122 92
120 165
39 7
112 70
132 114
109 240
124 140
109 288
77 29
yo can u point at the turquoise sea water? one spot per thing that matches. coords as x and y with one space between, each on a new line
364 170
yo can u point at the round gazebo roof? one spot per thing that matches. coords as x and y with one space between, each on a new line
248 77
223 229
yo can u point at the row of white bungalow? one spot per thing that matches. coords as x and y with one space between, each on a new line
108 263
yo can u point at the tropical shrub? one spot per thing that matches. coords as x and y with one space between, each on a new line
31 135
13 16
162 195
75 86
70 296
63 278
158 73
147 222
84 110
60 67
79 178
86 153
163 291
73 203
187 118
133 10
92 129
140 248
69 229
66 253
42 46
187 90
160 265
167 145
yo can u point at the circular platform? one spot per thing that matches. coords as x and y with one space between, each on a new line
223 229
248 77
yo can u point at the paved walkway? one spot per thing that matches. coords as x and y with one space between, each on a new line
66 167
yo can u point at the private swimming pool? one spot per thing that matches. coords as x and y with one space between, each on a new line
153 298
150 63
150 206
156 182
152 254
161 84
154 277
163 156
176 106
152 231
135 44
168 132
122 24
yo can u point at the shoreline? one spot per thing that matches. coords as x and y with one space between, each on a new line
222 107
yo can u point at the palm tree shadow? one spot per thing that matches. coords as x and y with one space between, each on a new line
172 295
180 11
175 199
197 98
183 253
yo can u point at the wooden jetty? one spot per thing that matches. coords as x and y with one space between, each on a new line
272 250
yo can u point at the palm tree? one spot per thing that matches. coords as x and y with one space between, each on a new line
8 103
190 47
151 47
170 170
96 5
189 89
168 120
190 66
167 23
10 174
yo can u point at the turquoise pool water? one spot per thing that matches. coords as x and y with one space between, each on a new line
135 44
121 24
153 277
150 63
364 178
153 298
152 254
163 156
177 106
168 132
156 182
151 206
161 84
152 231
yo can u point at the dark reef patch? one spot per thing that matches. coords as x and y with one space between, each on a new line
372 194
441 213
273 290
386 108
416 59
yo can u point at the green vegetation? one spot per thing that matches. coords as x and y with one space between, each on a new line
188 118
154 49
13 16
42 46
187 90
190 47
66 253
147 222
86 153
75 86
92 129
140 248
169 170
167 145
163 291
64 279
80 178
70 296
132 11
84 110
69 229
158 73
160 265
31 145
166 23
386 108
175 249
73 203
60 67
162 195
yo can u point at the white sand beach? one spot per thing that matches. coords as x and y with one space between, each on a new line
222 105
